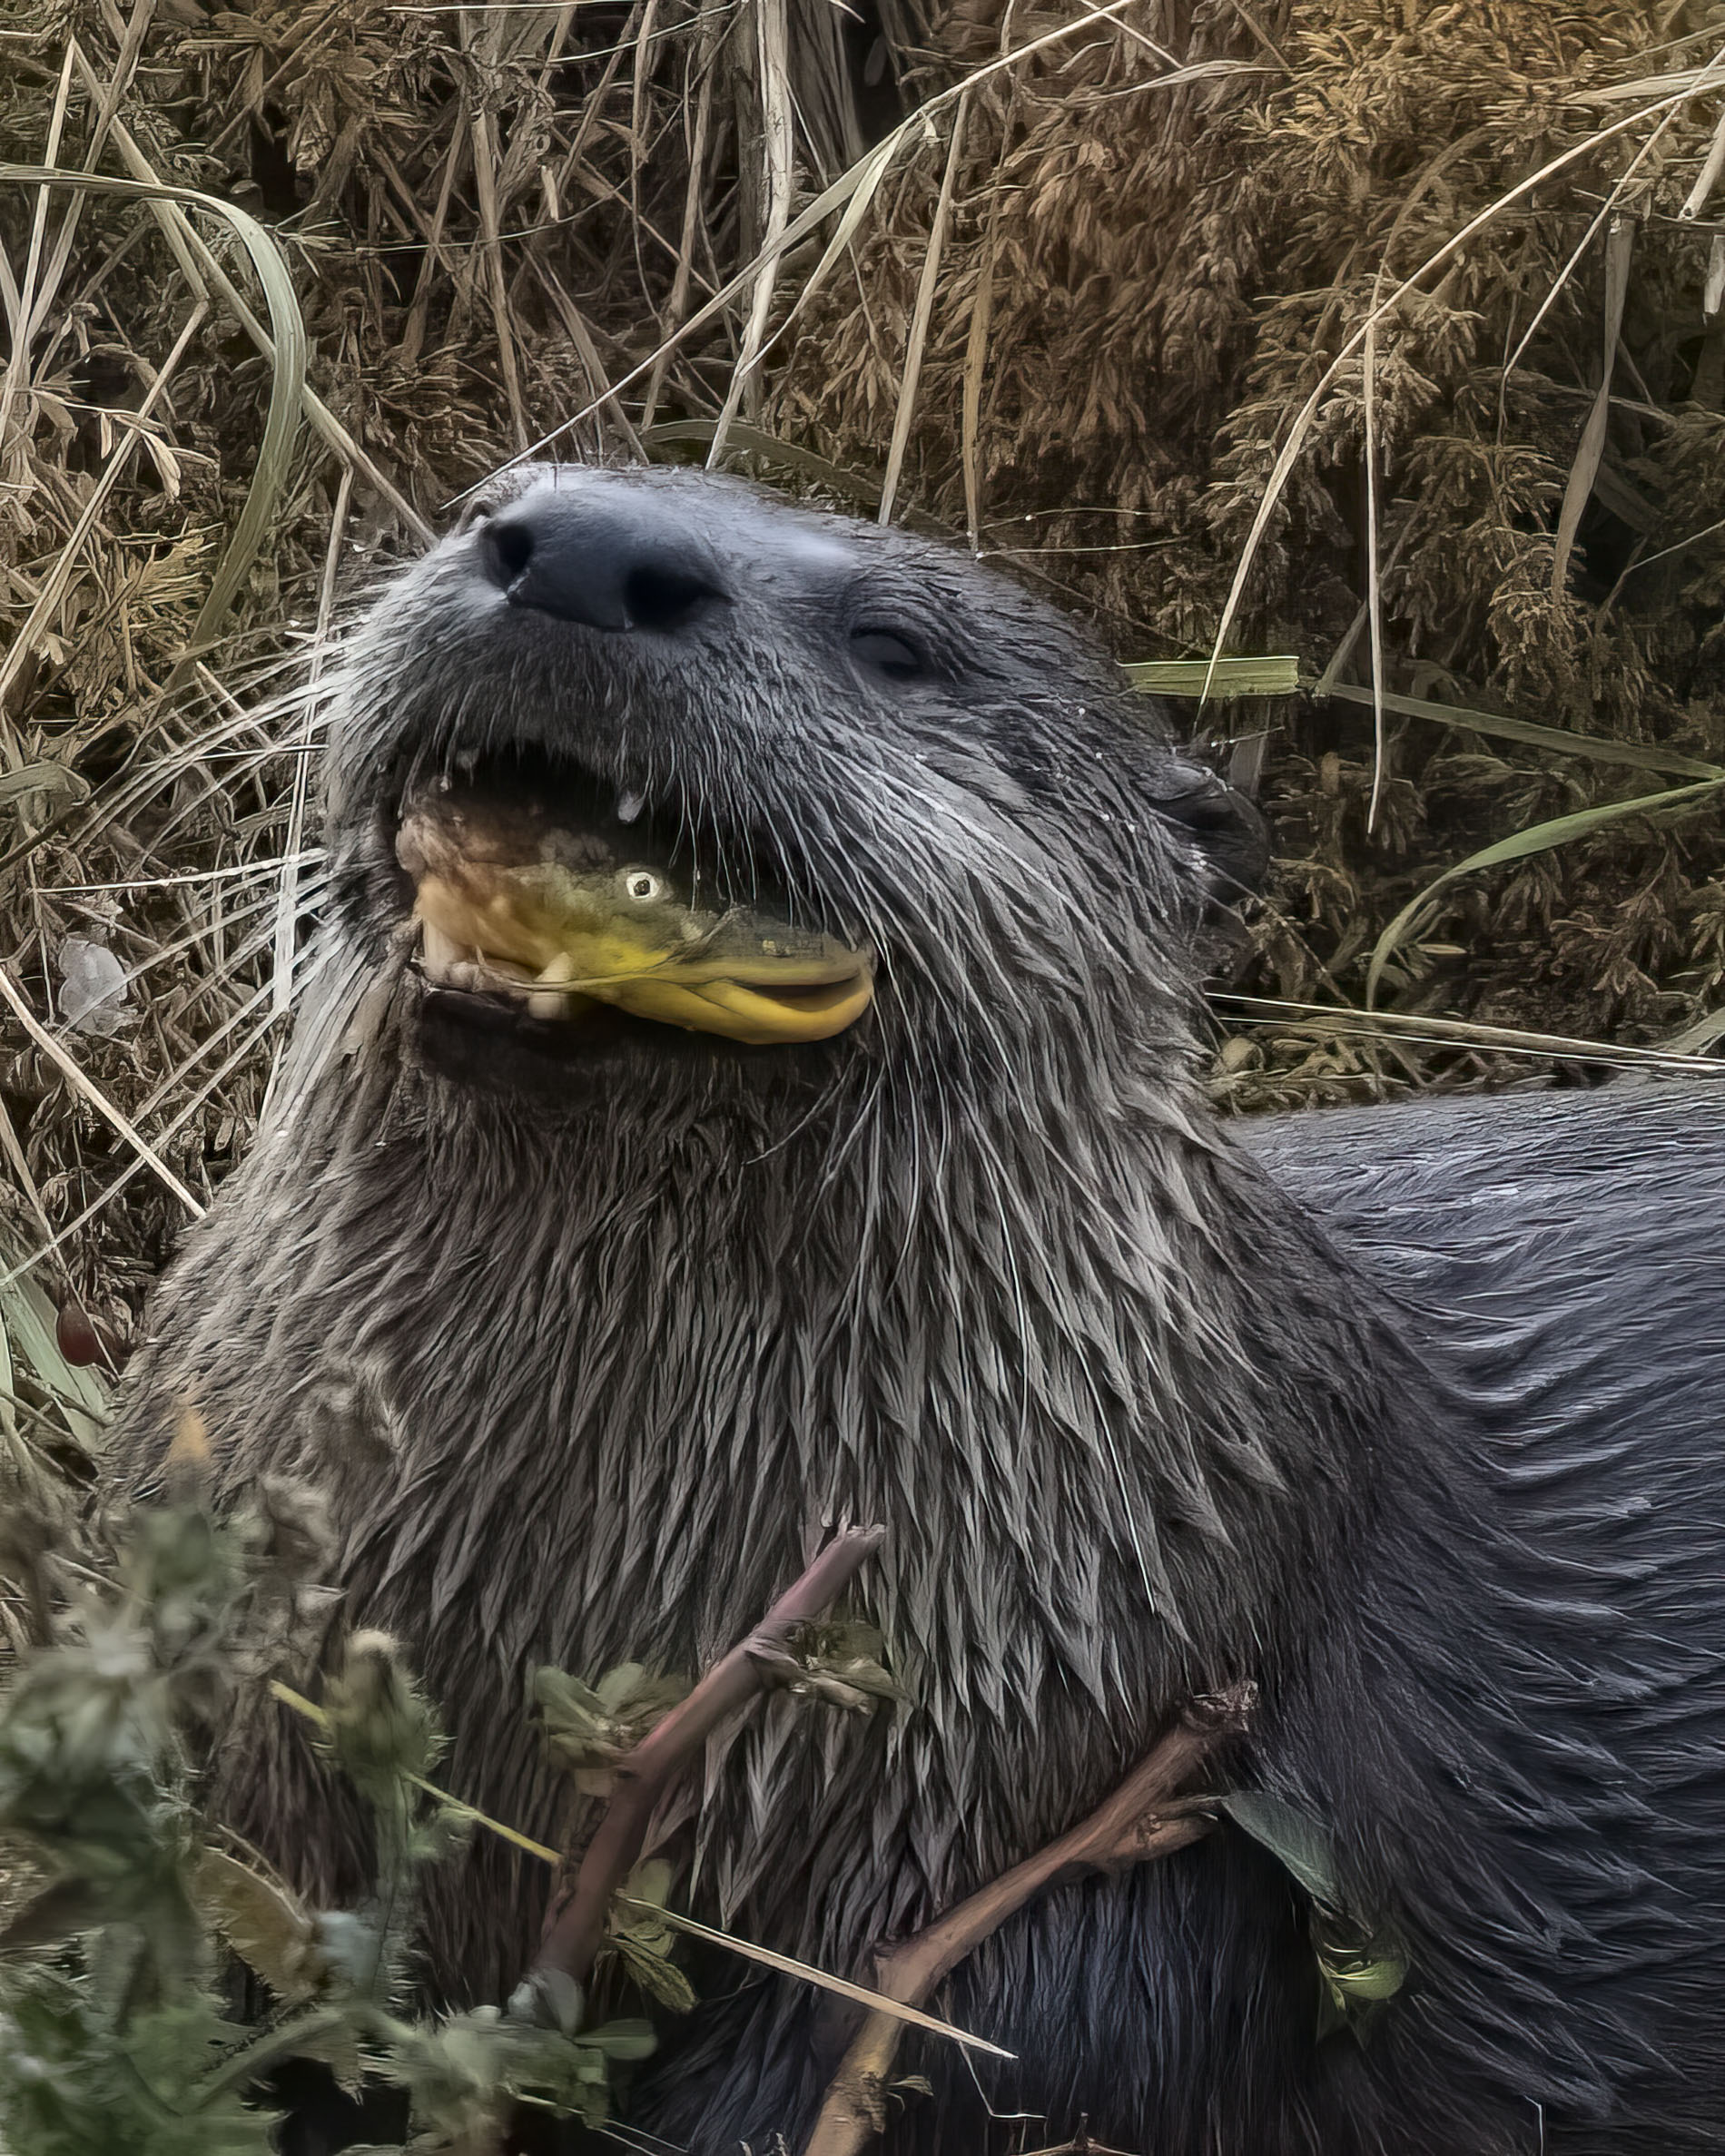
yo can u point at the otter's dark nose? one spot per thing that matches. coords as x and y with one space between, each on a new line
601 557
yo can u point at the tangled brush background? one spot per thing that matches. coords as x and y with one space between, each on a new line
1386 336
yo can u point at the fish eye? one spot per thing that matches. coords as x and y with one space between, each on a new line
640 884
894 656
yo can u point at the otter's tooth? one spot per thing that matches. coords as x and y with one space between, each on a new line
546 1003
439 954
629 806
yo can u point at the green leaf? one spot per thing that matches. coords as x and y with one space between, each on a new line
270 1930
589 1727
1360 1968
626 2041
465 2073
657 1975
71 2083
1297 1842
1278 676
1356 1974
639 1935
837 1662
30 1318
650 1881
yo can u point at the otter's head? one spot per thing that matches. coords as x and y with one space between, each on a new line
664 774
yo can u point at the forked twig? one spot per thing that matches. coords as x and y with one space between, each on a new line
727 1942
1145 1817
575 1926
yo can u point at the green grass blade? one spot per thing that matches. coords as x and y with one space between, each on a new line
1278 676
1694 1039
1681 1051
1538 838
1619 244
1562 741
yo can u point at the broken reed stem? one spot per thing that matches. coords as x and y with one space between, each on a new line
575 1926
1144 1818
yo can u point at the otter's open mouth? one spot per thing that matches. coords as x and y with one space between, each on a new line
556 917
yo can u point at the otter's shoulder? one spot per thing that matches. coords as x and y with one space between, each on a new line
1552 1558
1559 1251
1462 1161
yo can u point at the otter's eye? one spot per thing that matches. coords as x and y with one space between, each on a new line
896 658
639 884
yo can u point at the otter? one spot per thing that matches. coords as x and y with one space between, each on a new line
596 1326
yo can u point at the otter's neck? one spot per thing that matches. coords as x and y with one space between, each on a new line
595 1390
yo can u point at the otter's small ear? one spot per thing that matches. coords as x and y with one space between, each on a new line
1232 834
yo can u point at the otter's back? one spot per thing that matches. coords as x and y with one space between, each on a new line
1547 1199
1560 1254
1559 1257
